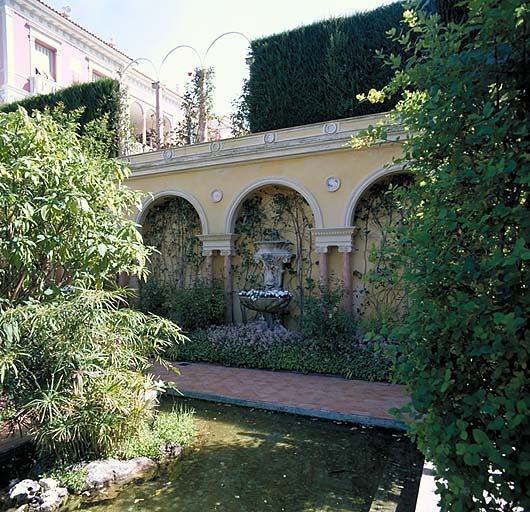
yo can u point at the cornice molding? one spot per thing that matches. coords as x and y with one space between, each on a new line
255 147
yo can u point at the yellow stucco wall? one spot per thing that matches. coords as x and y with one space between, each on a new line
309 171
301 158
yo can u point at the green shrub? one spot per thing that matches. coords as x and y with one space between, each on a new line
191 308
155 440
312 73
64 210
74 368
465 343
95 101
74 479
324 318
254 346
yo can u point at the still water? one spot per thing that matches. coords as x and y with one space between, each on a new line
249 460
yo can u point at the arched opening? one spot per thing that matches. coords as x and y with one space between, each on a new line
275 212
166 131
176 286
378 295
137 121
231 216
150 129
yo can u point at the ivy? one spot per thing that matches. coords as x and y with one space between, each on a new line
171 227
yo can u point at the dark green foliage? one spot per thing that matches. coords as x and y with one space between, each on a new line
313 73
94 100
324 318
195 307
465 344
252 346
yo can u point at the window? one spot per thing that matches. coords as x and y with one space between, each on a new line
97 76
44 61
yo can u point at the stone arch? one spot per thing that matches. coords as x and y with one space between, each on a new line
364 185
136 114
272 180
164 194
166 129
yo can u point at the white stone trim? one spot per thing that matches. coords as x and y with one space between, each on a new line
224 243
366 183
340 237
273 180
9 48
174 193
300 140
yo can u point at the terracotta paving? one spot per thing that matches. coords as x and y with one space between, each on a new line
315 395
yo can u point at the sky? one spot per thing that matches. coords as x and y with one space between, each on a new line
150 29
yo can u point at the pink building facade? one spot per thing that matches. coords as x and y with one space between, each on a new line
42 51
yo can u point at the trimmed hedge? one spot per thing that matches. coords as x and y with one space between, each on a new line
251 346
95 99
313 73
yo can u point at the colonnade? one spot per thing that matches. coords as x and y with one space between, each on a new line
324 240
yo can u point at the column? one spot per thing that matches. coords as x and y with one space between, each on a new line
229 286
209 267
144 128
323 267
225 244
347 281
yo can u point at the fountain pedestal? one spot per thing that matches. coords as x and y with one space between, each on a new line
271 301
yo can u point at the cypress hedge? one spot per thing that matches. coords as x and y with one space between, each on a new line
313 73
95 99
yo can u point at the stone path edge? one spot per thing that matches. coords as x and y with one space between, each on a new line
301 411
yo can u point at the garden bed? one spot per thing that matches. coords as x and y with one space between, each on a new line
253 346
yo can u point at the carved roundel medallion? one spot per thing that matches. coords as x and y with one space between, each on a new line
216 195
332 183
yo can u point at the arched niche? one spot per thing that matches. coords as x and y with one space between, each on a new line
171 224
272 180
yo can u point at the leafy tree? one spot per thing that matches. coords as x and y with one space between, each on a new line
63 209
239 115
198 107
72 356
465 344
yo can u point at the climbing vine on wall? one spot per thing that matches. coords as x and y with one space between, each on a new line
271 213
381 297
172 227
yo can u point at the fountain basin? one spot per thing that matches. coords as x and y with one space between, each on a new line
266 304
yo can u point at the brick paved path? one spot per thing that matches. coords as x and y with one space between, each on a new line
314 395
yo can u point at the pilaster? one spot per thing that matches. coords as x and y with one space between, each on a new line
225 244
342 238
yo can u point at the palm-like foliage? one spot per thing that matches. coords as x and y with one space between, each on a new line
75 369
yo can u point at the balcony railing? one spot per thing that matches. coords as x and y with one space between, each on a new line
38 84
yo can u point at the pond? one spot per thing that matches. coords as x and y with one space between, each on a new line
251 460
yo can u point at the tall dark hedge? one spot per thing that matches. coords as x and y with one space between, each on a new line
95 98
313 73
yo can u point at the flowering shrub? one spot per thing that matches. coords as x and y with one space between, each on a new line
254 346
273 293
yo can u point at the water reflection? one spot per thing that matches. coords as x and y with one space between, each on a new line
253 461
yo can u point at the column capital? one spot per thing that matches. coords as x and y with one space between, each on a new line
341 237
224 243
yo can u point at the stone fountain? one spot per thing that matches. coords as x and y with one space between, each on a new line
273 299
